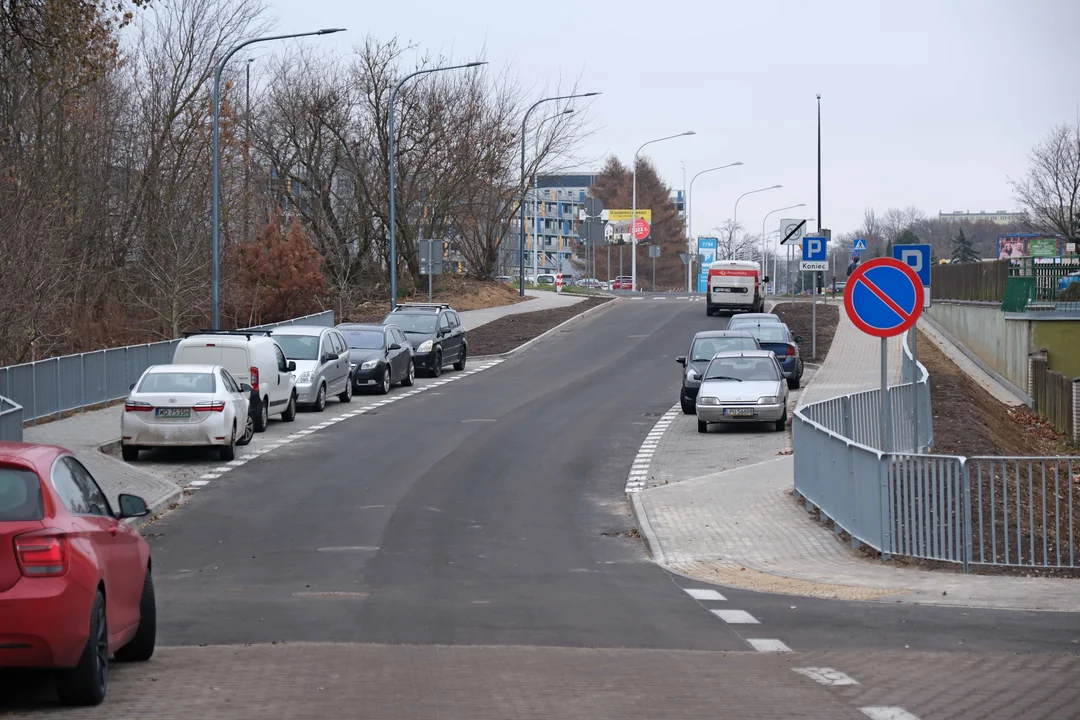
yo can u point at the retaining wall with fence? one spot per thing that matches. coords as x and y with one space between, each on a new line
49 388
876 482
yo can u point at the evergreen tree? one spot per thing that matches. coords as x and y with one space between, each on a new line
963 250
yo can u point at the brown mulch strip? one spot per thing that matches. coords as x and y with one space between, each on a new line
798 317
507 333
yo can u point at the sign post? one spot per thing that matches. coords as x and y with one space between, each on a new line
883 299
431 257
918 258
815 259
654 252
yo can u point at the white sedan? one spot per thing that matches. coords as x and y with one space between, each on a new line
743 386
186 406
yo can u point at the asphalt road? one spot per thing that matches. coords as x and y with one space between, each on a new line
491 512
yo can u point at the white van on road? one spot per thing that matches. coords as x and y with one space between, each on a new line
251 357
734 285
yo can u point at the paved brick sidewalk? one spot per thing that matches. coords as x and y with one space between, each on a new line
316 681
541 300
853 364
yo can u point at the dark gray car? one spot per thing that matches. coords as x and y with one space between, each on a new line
380 356
703 348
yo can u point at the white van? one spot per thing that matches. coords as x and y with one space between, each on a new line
251 357
734 285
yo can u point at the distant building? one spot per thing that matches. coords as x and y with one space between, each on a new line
678 201
1001 217
552 208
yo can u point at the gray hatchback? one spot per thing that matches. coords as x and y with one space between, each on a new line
703 348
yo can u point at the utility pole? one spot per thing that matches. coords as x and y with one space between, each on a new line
814 275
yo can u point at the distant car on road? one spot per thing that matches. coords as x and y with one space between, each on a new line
623 282
778 339
63 552
591 283
380 356
545 279
322 363
186 406
703 348
741 387
748 319
506 279
435 332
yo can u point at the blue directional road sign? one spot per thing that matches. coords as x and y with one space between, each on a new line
814 253
707 249
917 257
883 297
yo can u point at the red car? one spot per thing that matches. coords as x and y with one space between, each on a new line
75 583
623 282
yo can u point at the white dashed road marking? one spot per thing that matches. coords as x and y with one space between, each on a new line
199 483
701 594
826 676
887 713
767 645
736 617
639 468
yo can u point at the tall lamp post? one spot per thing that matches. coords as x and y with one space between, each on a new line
390 143
764 264
735 214
524 122
633 207
536 220
215 200
689 219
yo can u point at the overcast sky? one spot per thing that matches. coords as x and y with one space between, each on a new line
932 104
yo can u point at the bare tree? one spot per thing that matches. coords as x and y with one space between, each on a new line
1051 190
733 243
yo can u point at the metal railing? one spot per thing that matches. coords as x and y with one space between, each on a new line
11 421
51 387
977 511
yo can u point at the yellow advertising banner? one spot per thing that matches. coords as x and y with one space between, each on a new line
624 215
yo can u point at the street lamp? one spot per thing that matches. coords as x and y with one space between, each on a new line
521 240
536 239
789 207
215 202
390 143
689 219
633 208
735 215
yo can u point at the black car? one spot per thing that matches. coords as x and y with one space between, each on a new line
703 348
379 356
436 334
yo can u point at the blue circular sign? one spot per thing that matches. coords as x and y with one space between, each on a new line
884 297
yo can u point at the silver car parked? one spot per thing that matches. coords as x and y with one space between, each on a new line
322 363
740 387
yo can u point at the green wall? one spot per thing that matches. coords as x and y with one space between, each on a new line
1061 339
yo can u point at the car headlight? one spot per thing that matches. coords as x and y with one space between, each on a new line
708 400
369 364
768 400
304 377
426 346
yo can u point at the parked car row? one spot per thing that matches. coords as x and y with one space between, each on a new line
741 374
222 387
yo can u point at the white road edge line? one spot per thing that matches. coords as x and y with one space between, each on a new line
704 594
887 713
736 617
767 645
826 676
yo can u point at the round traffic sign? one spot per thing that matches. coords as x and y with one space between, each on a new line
641 229
883 297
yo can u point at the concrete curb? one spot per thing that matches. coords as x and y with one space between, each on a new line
652 542
156 507
526 345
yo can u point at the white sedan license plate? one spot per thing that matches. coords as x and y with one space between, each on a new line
738 412
172 412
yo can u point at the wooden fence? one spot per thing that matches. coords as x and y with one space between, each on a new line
1053 396
978 281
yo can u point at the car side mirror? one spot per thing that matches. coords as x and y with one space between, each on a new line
681 359
765 279
245 388
395 346
443 332
798 338
291 366
132 506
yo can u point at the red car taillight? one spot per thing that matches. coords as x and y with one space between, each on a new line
137 406
209 406
790 351
255 379
42 553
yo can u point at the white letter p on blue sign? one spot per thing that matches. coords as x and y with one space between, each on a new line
814 248
912 258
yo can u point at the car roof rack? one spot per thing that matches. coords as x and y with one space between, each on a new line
408 305
245 333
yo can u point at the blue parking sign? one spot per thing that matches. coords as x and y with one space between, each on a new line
917 257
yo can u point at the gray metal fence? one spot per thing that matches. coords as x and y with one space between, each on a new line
49 388
1011 511
11 421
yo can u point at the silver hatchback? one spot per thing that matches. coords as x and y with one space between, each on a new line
740 387
322 363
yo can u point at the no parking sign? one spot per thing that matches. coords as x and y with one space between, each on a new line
883 297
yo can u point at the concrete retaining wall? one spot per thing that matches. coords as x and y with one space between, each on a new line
983 329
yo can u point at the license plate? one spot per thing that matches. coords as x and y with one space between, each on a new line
720 289
742 412
172 412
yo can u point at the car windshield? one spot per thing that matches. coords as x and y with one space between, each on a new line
20 495
177 382
706 348
299 347
363 339
743 369
424 324
769 333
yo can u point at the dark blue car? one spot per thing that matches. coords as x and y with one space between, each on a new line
777 337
